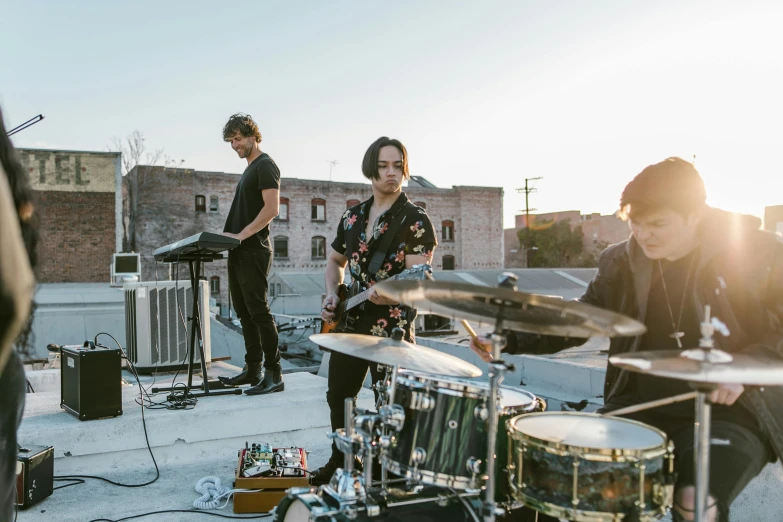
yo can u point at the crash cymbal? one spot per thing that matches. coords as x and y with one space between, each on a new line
521 311
675 364
393 352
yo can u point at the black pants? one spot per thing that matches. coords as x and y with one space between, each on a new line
346 377
12 394
737 454
247 273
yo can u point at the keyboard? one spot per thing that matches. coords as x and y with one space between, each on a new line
203 244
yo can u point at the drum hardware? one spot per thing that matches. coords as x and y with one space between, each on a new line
705 368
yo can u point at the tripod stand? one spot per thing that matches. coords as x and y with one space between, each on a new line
195 261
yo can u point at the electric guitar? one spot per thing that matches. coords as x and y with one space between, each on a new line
352 296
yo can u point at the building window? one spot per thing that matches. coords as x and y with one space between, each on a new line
318 210
213 203
272 290
447 231
282 215
201 204
214 285
448 262
281 246
352 203
279 288
421 204
319 247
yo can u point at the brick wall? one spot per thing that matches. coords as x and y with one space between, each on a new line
166 212
77 236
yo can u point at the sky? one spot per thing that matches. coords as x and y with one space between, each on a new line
582 94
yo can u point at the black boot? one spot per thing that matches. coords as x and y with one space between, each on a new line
251 374
271 383
325 473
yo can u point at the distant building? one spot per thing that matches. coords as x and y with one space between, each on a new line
171 204
596 230
79 202
773 219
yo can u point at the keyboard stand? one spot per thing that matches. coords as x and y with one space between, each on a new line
195 261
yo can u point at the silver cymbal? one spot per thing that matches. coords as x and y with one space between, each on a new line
520 311
741 369
392 352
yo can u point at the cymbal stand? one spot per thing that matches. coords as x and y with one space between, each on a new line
708 355
496 369
347 485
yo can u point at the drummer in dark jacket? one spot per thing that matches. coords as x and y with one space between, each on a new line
681 256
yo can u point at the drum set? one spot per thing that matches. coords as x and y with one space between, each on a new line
452 448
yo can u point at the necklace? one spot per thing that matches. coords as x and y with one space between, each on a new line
677 335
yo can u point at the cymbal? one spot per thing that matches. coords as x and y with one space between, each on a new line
392 352
741 369
521 311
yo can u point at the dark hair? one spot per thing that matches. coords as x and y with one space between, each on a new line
22 194
673 183
244 125
370 161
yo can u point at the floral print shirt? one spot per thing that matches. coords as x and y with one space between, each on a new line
415 236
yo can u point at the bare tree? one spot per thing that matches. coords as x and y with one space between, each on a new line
134 154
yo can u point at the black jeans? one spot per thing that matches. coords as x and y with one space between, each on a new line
247 273
737 455
346 377
12 395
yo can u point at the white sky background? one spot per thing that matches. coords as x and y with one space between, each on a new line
585 94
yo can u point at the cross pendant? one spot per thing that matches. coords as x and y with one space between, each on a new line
677 336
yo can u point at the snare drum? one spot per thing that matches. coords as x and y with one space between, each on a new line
586 467
442 440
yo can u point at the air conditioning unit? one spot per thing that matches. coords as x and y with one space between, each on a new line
155 317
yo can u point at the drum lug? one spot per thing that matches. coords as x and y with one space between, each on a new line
473 465
481 412
421 401
418 456
386 441
393 416
442 500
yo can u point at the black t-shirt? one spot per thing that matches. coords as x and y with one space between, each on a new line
642 387
262 173
416 236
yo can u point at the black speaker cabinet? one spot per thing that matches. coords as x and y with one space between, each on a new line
34 475
90 385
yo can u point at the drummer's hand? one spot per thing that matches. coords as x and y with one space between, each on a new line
379 300
328 306
726 394
482 348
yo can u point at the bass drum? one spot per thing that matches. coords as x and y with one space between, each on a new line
415 505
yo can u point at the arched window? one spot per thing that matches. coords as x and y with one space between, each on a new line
448 262
214 285
352 203
283 214
281 247
421 204
318 209
201 203
447 231
213 203
319 247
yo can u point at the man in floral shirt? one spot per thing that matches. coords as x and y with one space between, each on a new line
359 234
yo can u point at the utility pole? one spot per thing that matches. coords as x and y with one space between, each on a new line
527 190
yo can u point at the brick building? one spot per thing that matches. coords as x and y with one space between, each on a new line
171 204
79 201
596 230
773 219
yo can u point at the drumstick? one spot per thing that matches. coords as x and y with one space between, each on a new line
652 404
470 330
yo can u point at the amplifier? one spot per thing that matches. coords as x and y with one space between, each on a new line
90 381
34 475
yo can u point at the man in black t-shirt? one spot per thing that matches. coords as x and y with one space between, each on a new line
256 203
681 256
361 235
